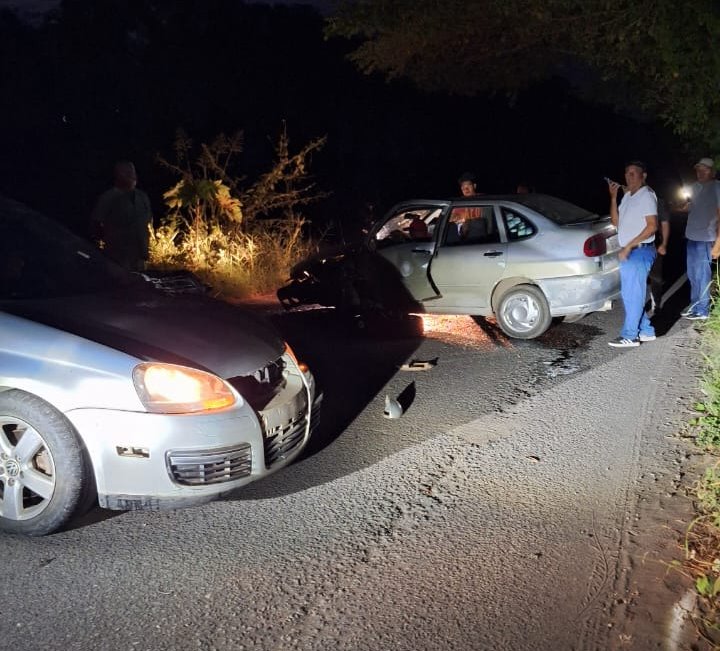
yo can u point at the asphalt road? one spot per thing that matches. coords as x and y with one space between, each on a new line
495 513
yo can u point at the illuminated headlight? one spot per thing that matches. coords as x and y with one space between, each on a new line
172 389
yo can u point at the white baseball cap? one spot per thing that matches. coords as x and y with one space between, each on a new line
705 162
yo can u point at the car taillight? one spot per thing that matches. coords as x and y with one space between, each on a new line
595 245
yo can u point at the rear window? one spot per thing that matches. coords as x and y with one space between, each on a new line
557 210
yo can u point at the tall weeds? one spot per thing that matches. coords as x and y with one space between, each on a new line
702 539
240 240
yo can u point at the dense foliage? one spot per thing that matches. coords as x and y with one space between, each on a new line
650 55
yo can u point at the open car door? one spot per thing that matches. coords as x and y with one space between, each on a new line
406 241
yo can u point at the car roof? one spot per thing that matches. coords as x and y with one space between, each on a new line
517 198
553 208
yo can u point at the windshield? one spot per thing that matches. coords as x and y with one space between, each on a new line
41 259
557 210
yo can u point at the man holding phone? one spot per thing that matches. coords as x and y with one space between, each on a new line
636 223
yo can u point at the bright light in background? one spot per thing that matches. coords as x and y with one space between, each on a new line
685 192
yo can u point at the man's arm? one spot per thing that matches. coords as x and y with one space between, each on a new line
715 251
613 189
98 217
664 236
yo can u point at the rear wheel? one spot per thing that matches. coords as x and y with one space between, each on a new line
523 312
44 477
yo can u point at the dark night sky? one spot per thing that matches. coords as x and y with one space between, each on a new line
75 99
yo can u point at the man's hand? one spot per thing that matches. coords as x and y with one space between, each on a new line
613 189
624 253
715 251
662 249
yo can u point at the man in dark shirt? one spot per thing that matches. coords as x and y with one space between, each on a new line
122 218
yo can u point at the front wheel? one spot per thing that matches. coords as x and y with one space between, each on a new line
523 312
44 477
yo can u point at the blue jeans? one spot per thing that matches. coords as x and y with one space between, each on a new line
699 275
633 289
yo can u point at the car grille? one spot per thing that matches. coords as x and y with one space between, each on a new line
260 387
203 467
282 440
176 282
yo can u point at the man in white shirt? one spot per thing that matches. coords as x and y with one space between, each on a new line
636 222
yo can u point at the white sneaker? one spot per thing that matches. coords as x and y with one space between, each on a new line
688 310
645 338
622 342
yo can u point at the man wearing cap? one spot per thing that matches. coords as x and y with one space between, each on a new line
701 233
636 223
121 219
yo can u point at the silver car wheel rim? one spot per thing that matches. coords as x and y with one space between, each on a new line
521 312
27 470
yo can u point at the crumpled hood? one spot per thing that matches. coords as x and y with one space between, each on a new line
187 329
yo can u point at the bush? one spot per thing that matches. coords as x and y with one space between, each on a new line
239 241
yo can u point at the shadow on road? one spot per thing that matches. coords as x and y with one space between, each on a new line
352 361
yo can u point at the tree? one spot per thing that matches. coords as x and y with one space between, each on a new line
650 55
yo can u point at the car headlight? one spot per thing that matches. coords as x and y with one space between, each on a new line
301 365
172 389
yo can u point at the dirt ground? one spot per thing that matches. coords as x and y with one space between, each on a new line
653 548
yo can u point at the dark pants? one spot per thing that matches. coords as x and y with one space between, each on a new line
657 284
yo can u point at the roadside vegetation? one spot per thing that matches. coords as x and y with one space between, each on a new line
240 238
702 540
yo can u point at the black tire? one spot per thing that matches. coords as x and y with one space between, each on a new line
44 477
523 312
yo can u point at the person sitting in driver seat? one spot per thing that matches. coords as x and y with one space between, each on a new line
418 230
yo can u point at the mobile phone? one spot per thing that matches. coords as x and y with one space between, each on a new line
608 180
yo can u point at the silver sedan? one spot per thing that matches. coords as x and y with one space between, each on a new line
111 389
522 259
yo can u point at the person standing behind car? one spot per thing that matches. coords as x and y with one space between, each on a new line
121 220
636 223
702 238
461 217
661 243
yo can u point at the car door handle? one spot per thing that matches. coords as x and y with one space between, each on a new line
492 254
423 251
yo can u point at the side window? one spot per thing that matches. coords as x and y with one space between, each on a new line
471 225
412 225
518 226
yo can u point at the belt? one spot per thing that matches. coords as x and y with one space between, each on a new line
639 246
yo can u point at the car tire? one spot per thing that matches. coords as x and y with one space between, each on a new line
44 475
523 312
